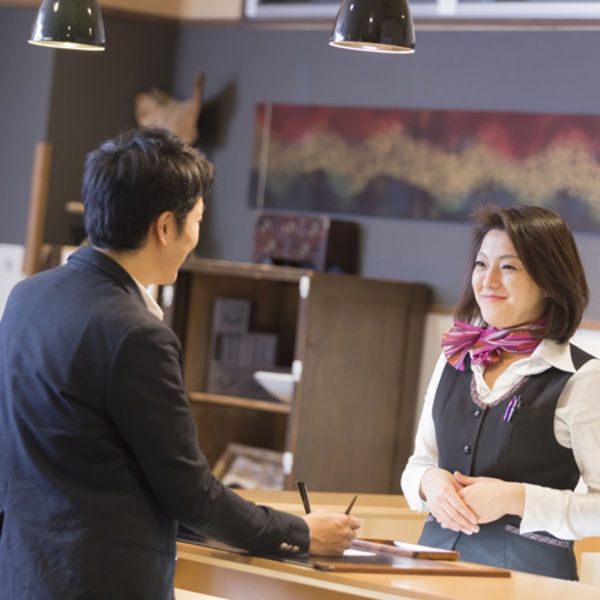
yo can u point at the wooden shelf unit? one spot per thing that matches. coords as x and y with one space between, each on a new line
247 403
358 344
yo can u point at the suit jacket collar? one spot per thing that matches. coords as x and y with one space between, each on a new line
89 257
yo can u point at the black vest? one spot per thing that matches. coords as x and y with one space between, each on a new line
478 441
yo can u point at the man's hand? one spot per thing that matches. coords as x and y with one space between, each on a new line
330 533
441 491
489 498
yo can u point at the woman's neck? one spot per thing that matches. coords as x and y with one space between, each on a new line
493 372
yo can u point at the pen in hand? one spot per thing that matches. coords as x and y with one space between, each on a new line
306 502
337 545
347 512
304 495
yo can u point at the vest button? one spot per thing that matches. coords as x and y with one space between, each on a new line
477 414
467 449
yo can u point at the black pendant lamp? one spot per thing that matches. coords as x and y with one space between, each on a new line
374 26
71 24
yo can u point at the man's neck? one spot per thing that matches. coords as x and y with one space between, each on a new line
135 262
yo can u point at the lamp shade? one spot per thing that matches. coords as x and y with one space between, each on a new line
374 26
72 24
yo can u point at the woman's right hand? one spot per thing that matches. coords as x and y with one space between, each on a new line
440 490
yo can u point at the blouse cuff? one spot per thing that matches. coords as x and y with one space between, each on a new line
539 512
411 484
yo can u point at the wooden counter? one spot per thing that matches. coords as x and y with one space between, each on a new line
382 516
248 578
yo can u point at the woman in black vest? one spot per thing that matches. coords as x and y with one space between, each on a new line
512 414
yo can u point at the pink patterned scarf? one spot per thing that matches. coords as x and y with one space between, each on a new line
486 344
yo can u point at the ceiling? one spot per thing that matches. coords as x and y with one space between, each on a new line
185 10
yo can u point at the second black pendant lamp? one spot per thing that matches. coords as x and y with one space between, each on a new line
374 26
72 24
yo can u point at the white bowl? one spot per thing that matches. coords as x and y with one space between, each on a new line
279 385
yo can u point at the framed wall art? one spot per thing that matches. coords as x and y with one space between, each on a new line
425 164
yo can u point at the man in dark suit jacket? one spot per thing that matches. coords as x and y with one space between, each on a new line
98 451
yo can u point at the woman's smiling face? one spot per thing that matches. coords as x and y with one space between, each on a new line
505 292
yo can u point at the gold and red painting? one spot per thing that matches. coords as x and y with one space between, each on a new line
425 164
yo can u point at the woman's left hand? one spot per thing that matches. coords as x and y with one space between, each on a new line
489 498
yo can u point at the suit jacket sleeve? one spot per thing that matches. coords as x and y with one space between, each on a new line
146 397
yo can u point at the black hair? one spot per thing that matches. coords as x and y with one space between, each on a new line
549 254
132 179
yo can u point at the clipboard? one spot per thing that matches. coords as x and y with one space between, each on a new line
405 549
406 565
399 558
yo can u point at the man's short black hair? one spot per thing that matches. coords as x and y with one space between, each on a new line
132 179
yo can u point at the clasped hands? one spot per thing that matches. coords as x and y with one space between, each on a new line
462 503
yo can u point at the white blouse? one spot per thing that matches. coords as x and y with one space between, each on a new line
565 514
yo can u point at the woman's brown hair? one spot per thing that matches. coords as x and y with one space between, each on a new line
547 249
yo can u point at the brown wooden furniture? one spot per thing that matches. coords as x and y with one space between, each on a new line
238 577
40 182
248 578
355 344
382 516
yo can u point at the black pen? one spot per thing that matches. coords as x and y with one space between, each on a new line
351 505
304 495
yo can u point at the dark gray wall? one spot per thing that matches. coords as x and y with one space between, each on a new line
75 100
93 99
25 83
537 71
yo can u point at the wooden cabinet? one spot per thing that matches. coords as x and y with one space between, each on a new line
356 346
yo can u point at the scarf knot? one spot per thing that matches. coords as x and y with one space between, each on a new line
487 343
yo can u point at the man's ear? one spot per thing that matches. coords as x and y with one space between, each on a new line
160 226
